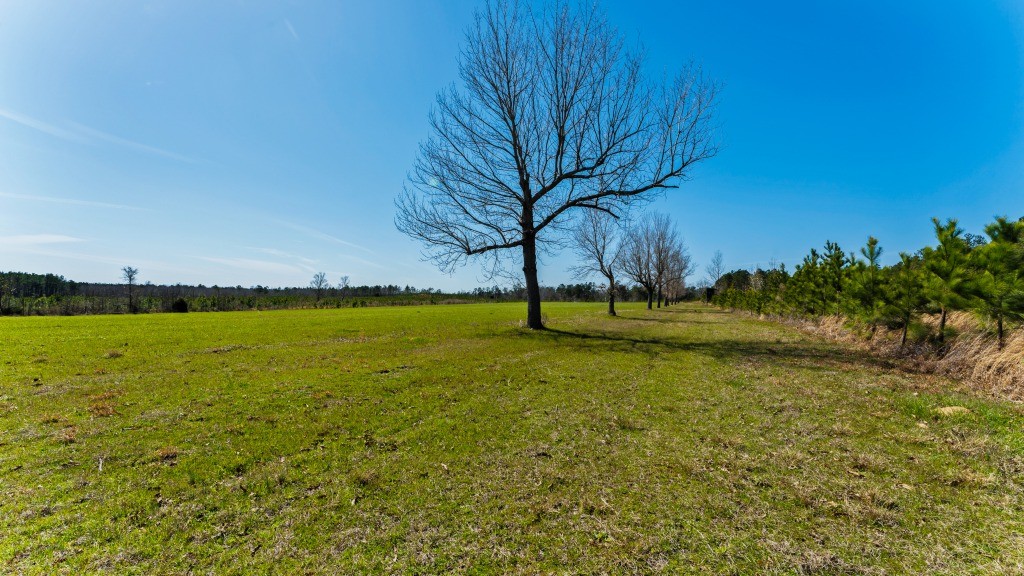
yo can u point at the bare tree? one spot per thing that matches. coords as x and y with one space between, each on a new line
680 267
596 241
715 269
319 283
555 117
129 275
638 259
343 286
664 240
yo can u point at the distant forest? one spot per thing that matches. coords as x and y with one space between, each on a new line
26 294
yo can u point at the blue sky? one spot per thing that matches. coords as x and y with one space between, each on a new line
257 143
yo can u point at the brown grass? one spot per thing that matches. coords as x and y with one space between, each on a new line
101 409
972 356
67 435
167 454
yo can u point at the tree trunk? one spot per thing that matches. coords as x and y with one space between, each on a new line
942 327
611 296
650 299
659 296
999 323
903 340
533 319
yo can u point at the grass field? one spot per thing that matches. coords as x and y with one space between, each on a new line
450 439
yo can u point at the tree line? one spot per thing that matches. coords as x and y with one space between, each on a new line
960 272
26 294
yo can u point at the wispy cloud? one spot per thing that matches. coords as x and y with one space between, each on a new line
299 261
41 249
82 134
291 28
312 232
283 254
21 240
41 126
255 265
71 201
364 262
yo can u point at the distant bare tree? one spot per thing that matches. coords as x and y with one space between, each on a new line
680 267
319 283
343 286
715 269
129 275
664 241
596 241
555 117
638 259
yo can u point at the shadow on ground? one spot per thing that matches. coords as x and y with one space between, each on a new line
804 354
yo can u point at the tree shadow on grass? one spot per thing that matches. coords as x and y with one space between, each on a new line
674 315
804 354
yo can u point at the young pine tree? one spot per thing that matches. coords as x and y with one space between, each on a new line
905 292
866 284
833 270
948 276
1000 283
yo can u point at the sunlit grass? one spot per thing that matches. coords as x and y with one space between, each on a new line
451 439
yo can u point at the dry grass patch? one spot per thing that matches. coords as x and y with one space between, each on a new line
167 454
101 409
365 478
68 435
951 411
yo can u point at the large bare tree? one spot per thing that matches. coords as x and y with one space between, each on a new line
596 240
555 116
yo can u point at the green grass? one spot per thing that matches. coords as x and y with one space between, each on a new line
451 439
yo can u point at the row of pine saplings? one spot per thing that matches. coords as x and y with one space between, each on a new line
979 274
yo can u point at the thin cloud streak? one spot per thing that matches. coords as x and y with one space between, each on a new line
254 265
41 126
291 28
71 201
87 135
323 236
364 262
283 254
22 240
107 137
40 251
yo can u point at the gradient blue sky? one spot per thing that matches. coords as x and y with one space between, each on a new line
256 143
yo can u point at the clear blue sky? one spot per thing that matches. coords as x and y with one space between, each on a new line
235 143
